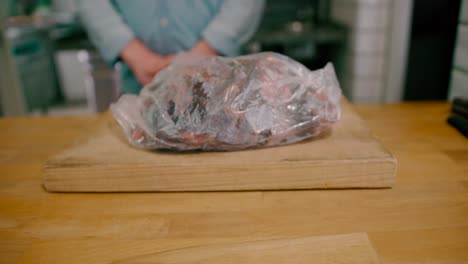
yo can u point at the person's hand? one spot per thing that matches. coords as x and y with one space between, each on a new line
144 63
202 47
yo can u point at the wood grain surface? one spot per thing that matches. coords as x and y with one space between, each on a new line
350 248
422 219
102 161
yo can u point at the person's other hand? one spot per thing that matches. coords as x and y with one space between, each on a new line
144 63
202 47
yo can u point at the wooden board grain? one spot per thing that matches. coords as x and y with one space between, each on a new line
348 157
346 248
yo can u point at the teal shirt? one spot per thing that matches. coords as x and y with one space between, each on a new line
168 26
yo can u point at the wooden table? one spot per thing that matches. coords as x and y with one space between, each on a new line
423 219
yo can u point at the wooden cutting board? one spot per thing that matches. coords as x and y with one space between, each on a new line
103 161
345 248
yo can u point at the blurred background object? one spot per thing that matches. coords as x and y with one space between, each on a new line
375 57
459 73
431 49
302 30
52 68
383 51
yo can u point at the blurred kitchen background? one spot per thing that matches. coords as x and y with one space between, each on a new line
384 51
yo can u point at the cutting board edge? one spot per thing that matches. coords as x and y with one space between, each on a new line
381 173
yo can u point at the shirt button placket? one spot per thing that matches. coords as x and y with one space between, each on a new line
164 21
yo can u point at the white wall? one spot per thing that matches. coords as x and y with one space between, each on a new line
459 81
376 52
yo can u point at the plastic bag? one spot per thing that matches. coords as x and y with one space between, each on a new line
217 103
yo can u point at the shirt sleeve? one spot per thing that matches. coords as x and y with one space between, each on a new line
235 23
106 28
